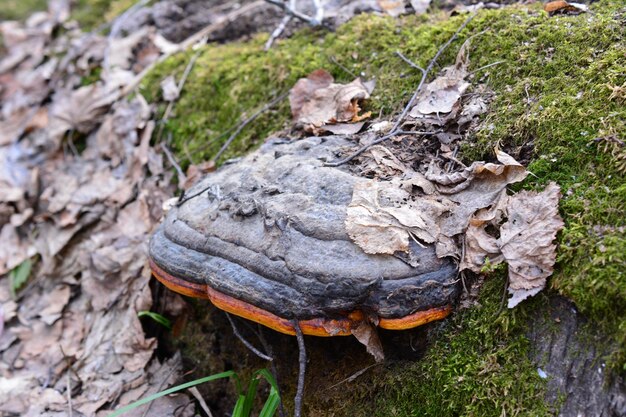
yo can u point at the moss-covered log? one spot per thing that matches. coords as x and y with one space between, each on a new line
557 107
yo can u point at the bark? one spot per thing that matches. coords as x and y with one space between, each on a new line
564 347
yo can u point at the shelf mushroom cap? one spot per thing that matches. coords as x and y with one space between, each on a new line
265 238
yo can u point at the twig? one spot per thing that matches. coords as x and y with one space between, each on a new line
313 21
194 391
245 342
396 127
487 66
270 351
69 394
179 87
159 389
319 10
277 32
417 132
182 178
411 63
343 67
281 27
243 124
301 371
506 287
354 375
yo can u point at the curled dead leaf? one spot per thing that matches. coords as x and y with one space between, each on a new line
525 242
317 102
562 6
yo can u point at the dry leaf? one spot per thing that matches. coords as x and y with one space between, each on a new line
169 88
316 101
393 8
562 6
420 6
525 242
383 216
441 95
367 335
82 109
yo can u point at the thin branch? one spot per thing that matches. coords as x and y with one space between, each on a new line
396 127
281 27
179 87
487 66
313 21
245 342
319 10
246 122
277 32
343 67
411 63
268 348
159 389
297 412
69 394
182 178
354 375
194 39
194 391
417 132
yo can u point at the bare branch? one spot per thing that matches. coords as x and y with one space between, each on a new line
246 122
313 21
297 412
245 342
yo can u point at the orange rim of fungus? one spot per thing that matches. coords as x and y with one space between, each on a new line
322 326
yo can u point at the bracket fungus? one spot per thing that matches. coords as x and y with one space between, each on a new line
265 238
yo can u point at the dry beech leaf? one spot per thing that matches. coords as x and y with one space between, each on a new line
525 242
420 6
82 109
169 88
434 208
368 336
393 8
317 102
442 95
562 6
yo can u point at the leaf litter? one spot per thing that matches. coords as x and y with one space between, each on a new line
419 197
80 191
318 104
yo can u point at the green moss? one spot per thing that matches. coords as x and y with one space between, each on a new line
551 102
20 9
478 366
92 13
89 13
555 95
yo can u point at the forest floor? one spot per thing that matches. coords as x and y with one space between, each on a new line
109 109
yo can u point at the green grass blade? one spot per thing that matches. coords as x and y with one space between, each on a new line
273 400
238 411
271 405
181 387
19 275
268 376
156 317
249 399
